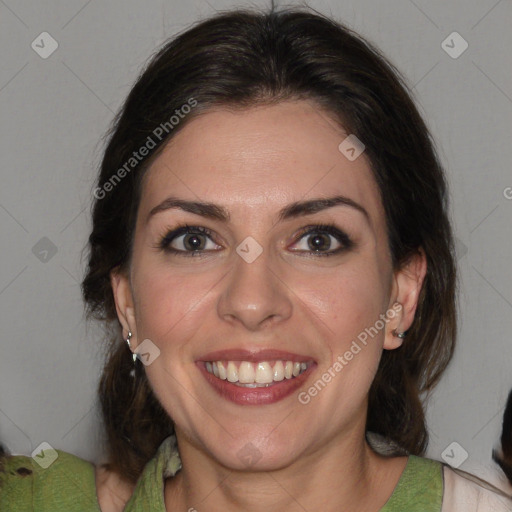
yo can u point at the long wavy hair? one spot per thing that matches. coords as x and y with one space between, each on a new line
244 58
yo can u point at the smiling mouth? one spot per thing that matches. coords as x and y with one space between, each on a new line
258 374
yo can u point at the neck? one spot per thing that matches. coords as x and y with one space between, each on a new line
347 475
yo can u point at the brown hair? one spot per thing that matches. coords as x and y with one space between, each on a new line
504 457
240 59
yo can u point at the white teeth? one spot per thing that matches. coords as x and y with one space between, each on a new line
279 371
223 374
259 374
246 373
232 372
263 373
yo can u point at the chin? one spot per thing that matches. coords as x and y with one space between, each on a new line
251 458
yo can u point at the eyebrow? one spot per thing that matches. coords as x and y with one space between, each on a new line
293 210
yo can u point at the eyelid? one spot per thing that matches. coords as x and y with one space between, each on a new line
171 234
327 228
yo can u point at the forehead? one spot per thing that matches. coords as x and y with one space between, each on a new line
260 158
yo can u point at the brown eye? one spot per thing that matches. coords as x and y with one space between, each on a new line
188 239
322 240
193 242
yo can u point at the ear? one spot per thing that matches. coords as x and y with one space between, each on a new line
123 297
407 284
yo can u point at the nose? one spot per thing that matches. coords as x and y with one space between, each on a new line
254 295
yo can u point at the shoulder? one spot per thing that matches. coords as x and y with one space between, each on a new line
52 480
464 491
461 491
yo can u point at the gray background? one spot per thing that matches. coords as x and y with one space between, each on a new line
54 112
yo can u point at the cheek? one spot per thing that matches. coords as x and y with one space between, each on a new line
168 303
350 303
348 300
170 311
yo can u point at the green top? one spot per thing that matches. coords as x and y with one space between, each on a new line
68 484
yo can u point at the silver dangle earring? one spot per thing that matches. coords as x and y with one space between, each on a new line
129 346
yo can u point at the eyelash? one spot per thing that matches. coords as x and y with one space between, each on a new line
327 229
185 229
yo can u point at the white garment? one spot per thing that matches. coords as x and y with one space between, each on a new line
464 492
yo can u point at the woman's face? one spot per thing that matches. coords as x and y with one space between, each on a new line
256 286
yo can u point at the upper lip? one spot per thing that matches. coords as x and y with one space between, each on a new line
254 356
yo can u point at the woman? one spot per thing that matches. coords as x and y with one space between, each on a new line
272 252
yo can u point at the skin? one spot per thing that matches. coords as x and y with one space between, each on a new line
254 162
112 491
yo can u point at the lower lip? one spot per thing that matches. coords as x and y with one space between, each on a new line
255 396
